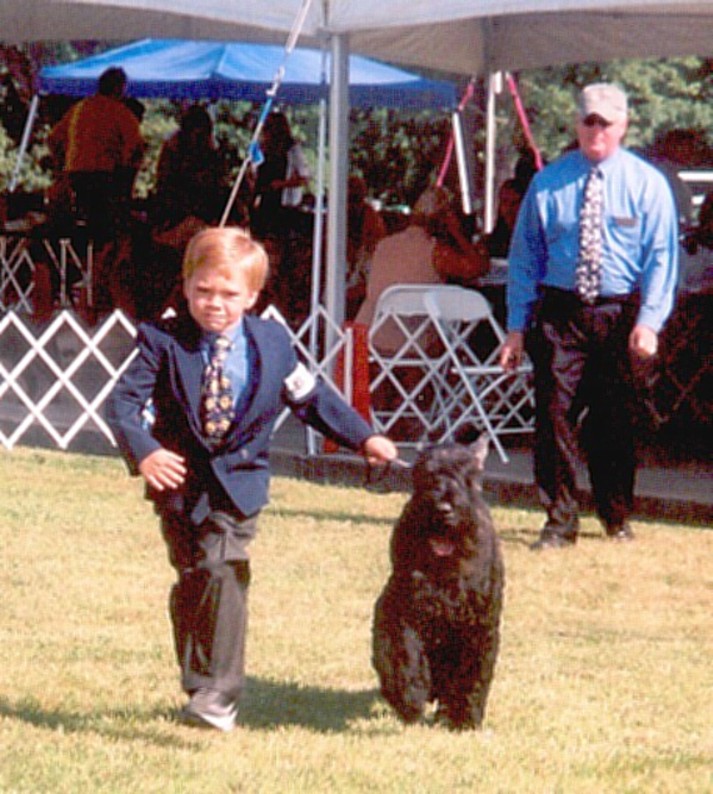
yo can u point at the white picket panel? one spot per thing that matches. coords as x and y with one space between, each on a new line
57 375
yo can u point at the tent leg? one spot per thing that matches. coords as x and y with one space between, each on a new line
25 142
339 167
494 88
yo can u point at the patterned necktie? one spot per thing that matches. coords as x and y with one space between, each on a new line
217 410
589 264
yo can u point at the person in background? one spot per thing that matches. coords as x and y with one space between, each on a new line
279 180
189 175
509 200
432 249
365 229
498 241
188 196
277 220
217 378
671 152
98 144
591 283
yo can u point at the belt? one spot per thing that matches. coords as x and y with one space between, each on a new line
564 296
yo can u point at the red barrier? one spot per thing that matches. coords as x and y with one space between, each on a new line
42 293
360 374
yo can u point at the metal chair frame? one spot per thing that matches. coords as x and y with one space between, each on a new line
474 389
405 385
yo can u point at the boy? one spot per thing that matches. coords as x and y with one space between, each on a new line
204 453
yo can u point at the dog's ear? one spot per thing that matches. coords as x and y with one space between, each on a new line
479 449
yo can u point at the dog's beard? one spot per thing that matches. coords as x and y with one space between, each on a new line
450 521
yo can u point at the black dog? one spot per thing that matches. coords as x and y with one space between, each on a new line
436 623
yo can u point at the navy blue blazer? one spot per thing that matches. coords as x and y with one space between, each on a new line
168 369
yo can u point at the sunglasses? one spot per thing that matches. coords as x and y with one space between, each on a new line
596 121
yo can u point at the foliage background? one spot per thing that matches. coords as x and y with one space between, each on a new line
397 153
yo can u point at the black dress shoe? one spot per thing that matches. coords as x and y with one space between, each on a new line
620 532
551 541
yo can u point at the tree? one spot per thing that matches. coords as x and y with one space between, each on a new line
397 153
663 94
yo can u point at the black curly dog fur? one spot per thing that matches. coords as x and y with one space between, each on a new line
436 623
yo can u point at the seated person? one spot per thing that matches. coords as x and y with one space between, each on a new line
498 241
432 249
509 199
365 229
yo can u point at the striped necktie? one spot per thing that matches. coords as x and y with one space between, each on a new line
217 411
589 264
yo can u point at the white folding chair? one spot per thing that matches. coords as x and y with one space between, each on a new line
405 352
475 391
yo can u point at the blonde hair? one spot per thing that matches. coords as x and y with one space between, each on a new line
227 246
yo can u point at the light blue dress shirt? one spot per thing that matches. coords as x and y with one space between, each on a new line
640 236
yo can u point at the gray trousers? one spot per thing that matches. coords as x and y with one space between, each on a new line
209 601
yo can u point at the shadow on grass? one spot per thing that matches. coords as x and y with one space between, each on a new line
525 537
267 704
324 515
130 722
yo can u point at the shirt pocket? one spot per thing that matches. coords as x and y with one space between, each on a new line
624 232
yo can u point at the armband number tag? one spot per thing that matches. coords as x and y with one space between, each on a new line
300 382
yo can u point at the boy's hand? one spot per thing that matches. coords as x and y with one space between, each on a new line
163 469
380 449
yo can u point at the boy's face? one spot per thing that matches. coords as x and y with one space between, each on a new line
218 297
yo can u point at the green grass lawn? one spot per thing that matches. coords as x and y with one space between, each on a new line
603 684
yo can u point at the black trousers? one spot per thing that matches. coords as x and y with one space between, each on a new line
209 602
585 387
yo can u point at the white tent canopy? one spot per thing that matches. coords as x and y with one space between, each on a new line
461 36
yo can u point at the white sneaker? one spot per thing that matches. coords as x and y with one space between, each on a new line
210 709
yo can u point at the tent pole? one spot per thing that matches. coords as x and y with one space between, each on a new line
24 142
494 88
339 167
318 235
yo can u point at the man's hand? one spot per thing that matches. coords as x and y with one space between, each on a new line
380 449
163 469
643 341
512 350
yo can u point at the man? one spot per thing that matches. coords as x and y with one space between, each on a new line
99 146
591 282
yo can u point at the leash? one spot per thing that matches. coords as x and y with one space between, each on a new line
376 477
254 154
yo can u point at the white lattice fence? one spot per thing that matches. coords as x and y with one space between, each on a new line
56 376
20 258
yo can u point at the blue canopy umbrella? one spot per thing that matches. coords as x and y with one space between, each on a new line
179 69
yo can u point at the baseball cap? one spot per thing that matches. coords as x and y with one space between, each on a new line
603 99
